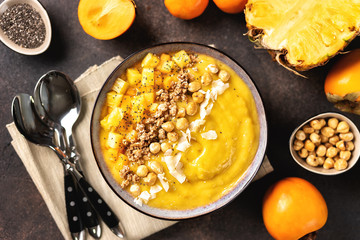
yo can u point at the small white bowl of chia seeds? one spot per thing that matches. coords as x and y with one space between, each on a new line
25 26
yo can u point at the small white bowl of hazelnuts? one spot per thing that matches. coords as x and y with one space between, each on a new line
327 144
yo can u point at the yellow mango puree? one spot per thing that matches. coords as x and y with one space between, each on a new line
212 167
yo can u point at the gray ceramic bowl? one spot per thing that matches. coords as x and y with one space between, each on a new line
246 178
320 170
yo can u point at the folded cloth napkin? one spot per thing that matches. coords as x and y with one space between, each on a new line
45 168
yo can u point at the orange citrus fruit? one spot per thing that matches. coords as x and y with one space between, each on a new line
231 6
186 9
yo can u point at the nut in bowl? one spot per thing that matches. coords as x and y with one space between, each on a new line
178 130
326 144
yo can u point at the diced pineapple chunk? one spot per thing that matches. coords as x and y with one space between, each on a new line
142 89
167 66
158 78
113 99
104 123
153 107
149 99
113 119
131 136
133 76
114 140
133 166
120 162
137 100
150 61
195 74
120 86
110 109
138 108
116 116
147 77
165 57
168 82
112 154
123 125
126 103
122 157
181 58
138 115
131 91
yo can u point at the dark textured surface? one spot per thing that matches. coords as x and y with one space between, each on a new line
288 101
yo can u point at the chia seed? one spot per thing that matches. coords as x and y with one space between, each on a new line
23 25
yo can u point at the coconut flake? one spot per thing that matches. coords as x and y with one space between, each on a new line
164 182
188 134
177 158
172 161
168 152
154 190
144 197
175 167
206 99
180 176
210 135
213 94
195 125
183 144
138 201
219 86
202 113
178 173
204 104
208 108
184 141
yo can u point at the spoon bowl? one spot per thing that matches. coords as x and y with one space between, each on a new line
57 101
41 10
28 123
56 97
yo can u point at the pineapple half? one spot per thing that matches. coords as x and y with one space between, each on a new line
302 34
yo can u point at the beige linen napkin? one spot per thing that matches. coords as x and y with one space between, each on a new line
45 168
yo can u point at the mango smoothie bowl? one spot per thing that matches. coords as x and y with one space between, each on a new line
178 130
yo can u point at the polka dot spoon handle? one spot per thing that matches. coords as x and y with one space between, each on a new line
106 214
72 209
89 215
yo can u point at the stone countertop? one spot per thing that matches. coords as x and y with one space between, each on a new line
288 100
